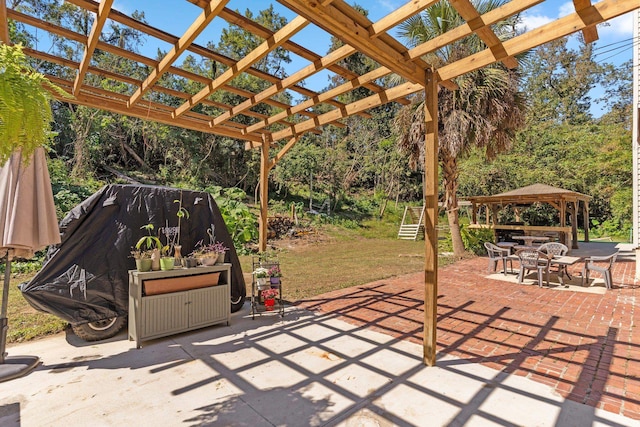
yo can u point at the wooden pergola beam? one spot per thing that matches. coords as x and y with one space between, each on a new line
254 56
511 8
208 13
351 32
398 16
210 54
146 61
339 90
350 109
589 33
564 26
92 41
257 29
286 83
469 13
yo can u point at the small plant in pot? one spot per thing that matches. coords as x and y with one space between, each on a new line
262 276
220 249
167 261
146 247
210 254
275 274
143 259
269 297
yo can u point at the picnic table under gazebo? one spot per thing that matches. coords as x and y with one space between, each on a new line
566 202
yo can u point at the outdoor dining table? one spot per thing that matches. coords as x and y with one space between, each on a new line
563 262
530 240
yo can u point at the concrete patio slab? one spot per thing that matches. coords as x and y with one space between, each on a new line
304 370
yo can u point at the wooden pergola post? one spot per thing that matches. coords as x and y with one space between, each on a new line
265 167
431 218
4 25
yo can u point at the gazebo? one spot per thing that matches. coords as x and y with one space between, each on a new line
566 202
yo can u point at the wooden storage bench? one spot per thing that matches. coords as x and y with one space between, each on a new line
163 303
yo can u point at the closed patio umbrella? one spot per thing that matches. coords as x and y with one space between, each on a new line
28 224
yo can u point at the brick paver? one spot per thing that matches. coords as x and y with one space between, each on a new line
585 345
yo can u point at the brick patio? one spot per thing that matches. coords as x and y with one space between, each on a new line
584 345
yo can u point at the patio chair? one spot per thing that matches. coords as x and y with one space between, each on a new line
553 248
497 254
533 260
600 264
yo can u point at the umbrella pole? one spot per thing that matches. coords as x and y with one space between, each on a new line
4 322
16 366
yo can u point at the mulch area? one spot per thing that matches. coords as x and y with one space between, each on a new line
585 345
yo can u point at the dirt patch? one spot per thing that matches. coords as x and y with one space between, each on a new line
300 240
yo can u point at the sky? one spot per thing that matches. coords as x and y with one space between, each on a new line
614 45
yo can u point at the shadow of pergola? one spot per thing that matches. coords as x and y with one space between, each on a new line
359 360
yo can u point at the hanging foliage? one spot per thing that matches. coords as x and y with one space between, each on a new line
25 113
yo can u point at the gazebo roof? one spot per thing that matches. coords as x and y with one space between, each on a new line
531 194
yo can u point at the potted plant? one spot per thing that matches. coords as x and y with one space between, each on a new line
262 274
143 259
275 274
210 254
269 297
150 245
167 261
182 213
220 249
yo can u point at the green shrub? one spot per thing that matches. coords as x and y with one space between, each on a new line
474 238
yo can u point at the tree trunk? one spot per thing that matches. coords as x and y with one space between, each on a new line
450 182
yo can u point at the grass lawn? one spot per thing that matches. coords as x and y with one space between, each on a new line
312 265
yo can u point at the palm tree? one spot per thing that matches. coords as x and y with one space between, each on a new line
484 112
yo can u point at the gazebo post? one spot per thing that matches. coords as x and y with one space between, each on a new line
574 225
431 218
585 214
474 214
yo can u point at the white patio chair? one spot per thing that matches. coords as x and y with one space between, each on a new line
533 260
497 254
600 264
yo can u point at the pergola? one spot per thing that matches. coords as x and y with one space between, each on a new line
274 135
564 201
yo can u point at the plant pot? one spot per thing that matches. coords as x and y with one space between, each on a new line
269 304
143 264
262 283
274 280
190 262
166 263
155 260
220 259
208 260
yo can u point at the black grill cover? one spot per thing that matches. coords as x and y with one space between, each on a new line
85 278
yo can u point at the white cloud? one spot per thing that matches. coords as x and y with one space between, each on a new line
529 22
566 9
620 26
